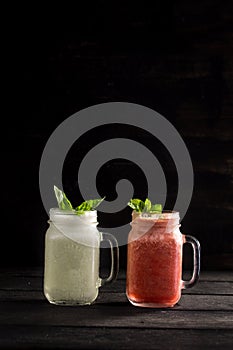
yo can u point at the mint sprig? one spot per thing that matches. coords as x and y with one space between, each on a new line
145 207
65 204
136 204
62 200
91 204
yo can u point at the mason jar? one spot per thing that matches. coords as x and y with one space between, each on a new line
154 260
72 258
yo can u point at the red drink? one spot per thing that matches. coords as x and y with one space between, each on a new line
154 264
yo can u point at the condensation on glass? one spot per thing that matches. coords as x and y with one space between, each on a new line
154 260
72 258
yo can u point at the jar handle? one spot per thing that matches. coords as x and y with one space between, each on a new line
114 258
196 261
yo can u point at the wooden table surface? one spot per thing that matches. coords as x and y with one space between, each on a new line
202 319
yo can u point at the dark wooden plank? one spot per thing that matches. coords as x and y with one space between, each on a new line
33 283
22 295
187 301
211 288
25 272
19 282
217 276
44 337
111 315
221 131
223 260
37 273
205 302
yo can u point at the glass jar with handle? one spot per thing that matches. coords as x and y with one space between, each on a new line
72 256
154 260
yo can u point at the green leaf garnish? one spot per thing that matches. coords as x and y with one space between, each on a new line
136 204
156 208
145 207
64 203
62 200
91 204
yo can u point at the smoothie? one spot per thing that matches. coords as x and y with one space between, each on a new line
72 255
154 262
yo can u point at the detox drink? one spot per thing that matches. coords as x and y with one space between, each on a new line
72 255
72 258
154 261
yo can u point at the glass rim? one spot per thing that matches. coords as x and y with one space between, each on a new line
58 211
163 212
165 215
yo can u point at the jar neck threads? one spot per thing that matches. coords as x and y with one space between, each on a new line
70 218
166 222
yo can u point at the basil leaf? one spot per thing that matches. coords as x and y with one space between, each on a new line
96 202
147 206
136 204
89 205
64 203
156 208
62 200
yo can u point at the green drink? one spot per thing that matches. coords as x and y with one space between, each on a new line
72 251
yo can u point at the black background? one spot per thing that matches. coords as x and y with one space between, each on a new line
175 57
